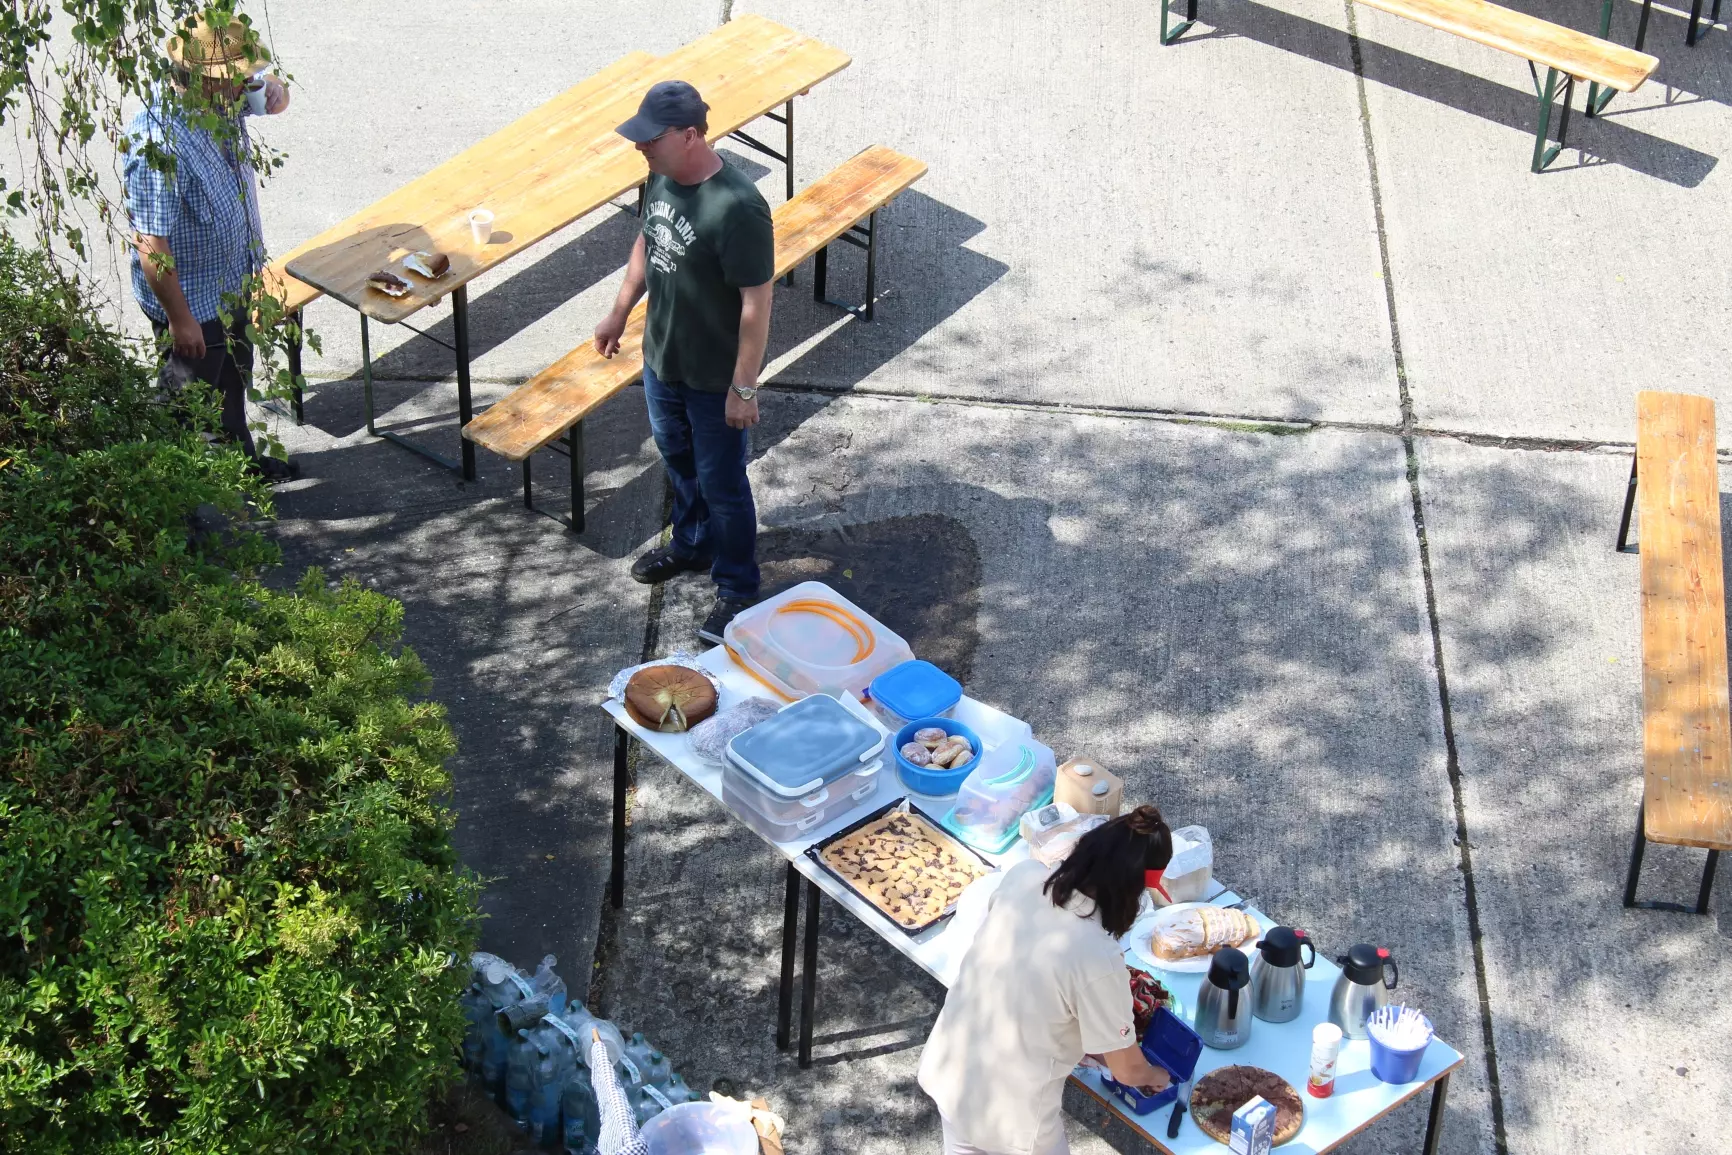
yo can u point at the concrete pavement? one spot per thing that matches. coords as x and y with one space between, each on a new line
1274 220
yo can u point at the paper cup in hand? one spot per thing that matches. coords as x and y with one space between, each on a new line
481 226
256 96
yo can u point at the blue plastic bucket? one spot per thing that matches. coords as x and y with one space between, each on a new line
924 779
1393 1066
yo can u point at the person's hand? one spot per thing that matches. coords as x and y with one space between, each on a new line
740 413
608 333
1159 1082
276 96
188 339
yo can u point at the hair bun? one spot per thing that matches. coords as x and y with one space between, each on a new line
1145 820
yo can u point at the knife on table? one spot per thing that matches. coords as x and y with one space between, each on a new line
1178 1110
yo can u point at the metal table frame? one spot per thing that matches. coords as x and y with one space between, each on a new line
800 868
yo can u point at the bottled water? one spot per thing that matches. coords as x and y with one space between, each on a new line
581 1114
677 1091
658 1070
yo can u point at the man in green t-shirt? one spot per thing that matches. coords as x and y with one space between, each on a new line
707 256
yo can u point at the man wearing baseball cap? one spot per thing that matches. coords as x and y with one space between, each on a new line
198 236
707 257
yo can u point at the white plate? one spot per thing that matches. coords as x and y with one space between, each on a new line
1137 939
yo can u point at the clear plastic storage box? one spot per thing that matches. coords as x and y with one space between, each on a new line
784 820
812 640
813 761
1009 780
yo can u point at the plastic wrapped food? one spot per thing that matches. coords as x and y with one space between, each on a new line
917 754
710 738
930 737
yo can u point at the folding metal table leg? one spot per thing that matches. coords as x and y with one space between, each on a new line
621 745
871 265
1434 1125
460 330
1708 869
1542 155
1642 24
367 376
1597 101
1190 19
1636 852
1629 506
294 321
574 447
528 501
809 977
1695 15
790 936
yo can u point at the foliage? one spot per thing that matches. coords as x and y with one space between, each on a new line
70 71
229 904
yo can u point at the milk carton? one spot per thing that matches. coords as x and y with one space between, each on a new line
1253 1128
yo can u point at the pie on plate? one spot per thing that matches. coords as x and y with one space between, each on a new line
1224 1090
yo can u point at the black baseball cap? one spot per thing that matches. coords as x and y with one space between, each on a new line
669 104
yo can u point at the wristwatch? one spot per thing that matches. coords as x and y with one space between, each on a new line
746 392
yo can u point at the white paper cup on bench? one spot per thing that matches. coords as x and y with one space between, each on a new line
481 226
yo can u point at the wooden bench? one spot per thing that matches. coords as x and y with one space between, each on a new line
1564 51
553 404
1686 721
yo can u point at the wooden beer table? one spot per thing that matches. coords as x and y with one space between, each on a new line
539 174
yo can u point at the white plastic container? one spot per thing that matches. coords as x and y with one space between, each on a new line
786 819
993 727
1187 876
700 1129
812 640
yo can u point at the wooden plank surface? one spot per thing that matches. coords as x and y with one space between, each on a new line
1686 717
1576 53
544 407
554 165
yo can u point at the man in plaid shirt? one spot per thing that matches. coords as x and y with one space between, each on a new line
198 233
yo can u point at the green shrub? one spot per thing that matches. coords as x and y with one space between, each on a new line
228 899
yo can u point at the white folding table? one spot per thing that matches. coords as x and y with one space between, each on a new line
1360 1098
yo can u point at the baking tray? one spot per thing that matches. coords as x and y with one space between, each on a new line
958 847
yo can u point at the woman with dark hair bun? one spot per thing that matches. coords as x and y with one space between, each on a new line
1042 985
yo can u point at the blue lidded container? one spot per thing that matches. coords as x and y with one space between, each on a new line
913 690
1170 1044
925 779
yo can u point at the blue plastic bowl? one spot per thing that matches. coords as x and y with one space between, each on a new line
924 779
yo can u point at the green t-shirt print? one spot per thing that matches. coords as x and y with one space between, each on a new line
703 243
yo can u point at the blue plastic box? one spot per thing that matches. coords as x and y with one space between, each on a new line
924 779
1170 1044
913 690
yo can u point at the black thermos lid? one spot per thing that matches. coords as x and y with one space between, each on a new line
1364 964
1230 969
1280 947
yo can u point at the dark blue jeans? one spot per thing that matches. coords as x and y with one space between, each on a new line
714 515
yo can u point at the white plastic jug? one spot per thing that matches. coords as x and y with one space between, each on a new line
700 1129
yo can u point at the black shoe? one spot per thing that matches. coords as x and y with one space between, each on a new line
662 563
720 615
274 470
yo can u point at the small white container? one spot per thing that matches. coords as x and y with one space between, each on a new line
481 226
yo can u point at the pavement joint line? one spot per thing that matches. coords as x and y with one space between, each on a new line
1410 447
1240 422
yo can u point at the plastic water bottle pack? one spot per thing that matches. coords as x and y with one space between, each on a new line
531 1048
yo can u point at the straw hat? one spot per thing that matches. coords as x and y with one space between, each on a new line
220 53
